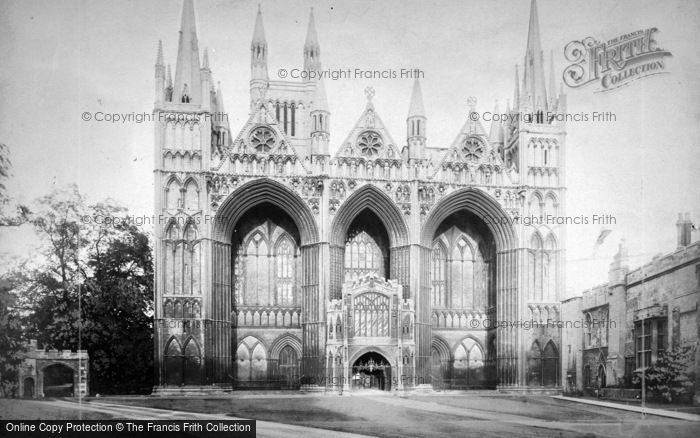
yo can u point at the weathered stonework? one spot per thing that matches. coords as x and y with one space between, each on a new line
266 233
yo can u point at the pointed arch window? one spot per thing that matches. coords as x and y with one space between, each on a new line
192 262
191 196
173 195
438 267
463 270
285 259
251 361
362 256
468 364
173 363
182 261
266 266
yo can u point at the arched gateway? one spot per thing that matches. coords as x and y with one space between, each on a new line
382 265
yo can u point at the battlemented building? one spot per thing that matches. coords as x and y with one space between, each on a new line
292 260
634 318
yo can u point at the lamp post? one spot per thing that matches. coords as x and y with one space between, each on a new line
644 382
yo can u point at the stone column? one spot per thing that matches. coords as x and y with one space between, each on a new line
218 329
313 309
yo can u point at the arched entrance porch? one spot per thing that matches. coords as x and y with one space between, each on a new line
371 371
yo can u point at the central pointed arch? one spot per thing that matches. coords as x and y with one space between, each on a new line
369 197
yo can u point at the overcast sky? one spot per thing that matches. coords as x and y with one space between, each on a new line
62 58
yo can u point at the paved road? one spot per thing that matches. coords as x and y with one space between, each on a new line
265 429
388 415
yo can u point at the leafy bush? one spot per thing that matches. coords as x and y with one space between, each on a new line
671 377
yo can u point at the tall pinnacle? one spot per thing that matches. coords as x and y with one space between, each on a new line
534 82
259 31
516 97
311 36
416 108
159 57
258 52
320 99
496 132
552 91
187 80
205 59
312 49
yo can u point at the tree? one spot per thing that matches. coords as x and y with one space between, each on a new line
671 377
92 290
11 345
118 300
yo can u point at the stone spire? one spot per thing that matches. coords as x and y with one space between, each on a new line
533 79
416 107
205 59
187 87
221 117
320 102
552 90
259 31
516 97
416 124
312 49
160 75
258 61
496 132
159 56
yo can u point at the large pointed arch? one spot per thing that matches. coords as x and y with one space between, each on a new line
259 192
479 203
371 198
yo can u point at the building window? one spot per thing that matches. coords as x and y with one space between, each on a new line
262 139
472 149
285 272
266 267
660 335
437 276
369 143
294 109
182 262
643 335
371 315
285 117
362 256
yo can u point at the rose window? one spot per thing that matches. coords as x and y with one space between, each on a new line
262 139
369 143
472 149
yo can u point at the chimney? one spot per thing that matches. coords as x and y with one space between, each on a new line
685 229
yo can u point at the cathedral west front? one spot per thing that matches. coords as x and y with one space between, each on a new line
302 255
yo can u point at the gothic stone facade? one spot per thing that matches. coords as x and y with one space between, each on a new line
385 264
